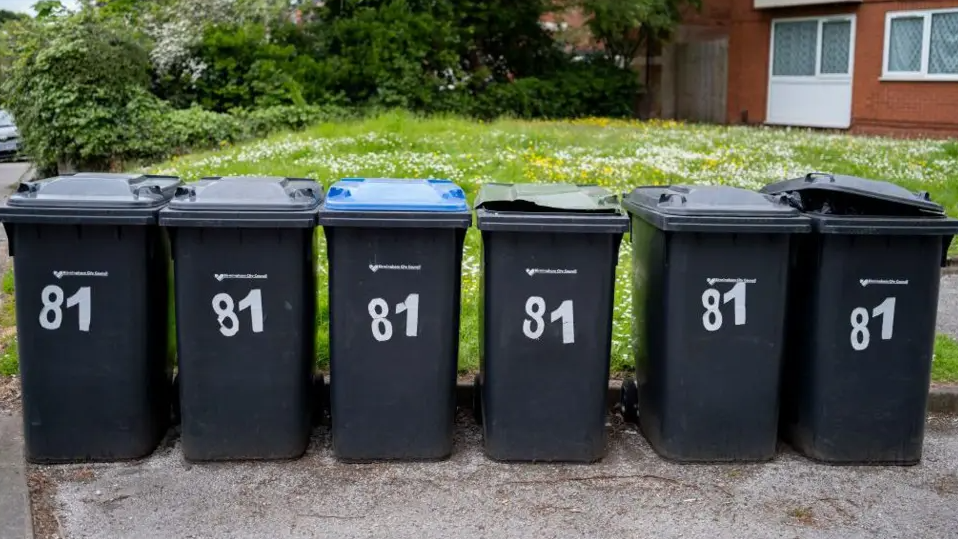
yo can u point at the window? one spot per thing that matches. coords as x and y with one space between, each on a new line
921 45
812 47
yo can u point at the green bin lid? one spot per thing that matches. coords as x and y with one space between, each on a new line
549 207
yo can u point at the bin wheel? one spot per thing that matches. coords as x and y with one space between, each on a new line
629 401
477 400
175 400
319 398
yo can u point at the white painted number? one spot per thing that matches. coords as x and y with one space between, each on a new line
382 328
411 308
534 326
223 306
712 317
565 313
51 315
535 308
861 337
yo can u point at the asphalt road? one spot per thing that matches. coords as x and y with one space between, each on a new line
631 493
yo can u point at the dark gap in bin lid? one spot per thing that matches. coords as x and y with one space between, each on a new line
396 194
96 190
546 198
838 194
248 193
708 200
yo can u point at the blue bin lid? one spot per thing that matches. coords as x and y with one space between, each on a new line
395 195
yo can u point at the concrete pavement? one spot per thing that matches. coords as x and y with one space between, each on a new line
631 493
13 173
14 499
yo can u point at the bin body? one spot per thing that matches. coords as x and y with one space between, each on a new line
710 271
548 280
862 320
395 255
92 280
245 272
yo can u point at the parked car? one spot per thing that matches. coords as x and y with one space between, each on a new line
9 136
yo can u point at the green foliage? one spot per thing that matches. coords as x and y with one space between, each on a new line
446 56
244 69
944 367
6 15
9 359
262 122
7 285
623 27
596 88
78 86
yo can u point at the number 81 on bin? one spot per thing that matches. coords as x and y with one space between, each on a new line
535 325
224 308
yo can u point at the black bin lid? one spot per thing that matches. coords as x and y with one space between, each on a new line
90 197
548 207
817 188
849 205
245 201
713 208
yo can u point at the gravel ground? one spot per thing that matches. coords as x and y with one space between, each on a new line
631 493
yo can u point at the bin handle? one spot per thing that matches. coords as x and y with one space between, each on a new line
814 176
147 190
185 191
27 187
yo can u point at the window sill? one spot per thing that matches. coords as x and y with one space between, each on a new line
918 78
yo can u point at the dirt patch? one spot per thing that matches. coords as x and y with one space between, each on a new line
10 394
802 516
43 492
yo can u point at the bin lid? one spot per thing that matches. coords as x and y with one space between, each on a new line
560 197
90 197
392 202
245 201
713 208
822 184
97 190
386 194
549 207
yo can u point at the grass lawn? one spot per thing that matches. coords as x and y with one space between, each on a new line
616 154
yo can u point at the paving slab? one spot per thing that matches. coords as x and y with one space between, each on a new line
948 305
14 498
631 493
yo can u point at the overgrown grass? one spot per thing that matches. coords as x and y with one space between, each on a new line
944 368
619 155
9 359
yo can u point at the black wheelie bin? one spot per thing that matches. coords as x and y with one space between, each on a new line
92 271
245 266
548 278
862 315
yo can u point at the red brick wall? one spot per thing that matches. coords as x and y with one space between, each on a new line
878 107
896 107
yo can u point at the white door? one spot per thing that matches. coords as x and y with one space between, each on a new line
810 76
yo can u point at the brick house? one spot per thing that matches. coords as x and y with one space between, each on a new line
869 66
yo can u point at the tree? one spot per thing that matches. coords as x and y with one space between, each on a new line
6 15
625 27
78 86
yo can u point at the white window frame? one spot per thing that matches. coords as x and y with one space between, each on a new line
818 76
923 74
